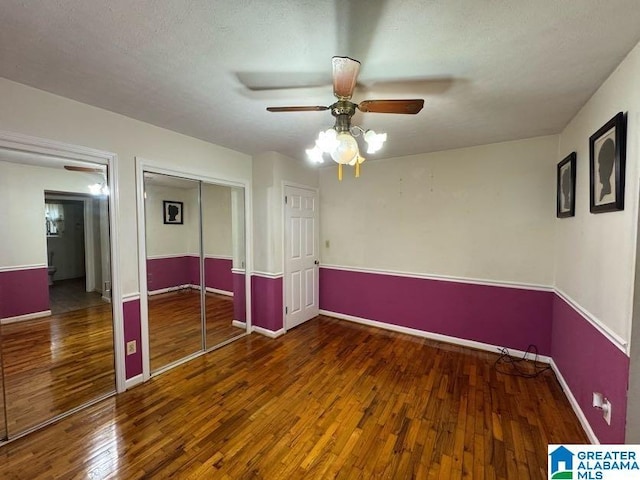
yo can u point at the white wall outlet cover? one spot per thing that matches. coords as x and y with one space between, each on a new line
598 399
606 411
131 347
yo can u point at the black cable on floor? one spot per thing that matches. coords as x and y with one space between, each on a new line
510 365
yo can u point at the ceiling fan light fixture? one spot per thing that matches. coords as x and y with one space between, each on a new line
98 189
346 149
315 154
327 140
374 140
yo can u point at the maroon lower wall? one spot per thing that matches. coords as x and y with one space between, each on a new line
239 297
171 272
589 362
218 274
23 292
266 303
503 316
132 331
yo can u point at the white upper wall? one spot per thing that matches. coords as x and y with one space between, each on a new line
595 253
168 239
270 171
22 187
216 220
35 112
483 213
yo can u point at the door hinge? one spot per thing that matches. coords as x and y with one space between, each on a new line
285 199
286 309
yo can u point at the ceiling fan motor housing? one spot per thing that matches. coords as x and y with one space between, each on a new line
343 110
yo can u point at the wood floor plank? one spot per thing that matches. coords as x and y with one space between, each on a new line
54 364
175 324
328 400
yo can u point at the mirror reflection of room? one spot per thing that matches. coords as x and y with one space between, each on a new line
223 246
173 268
78 272
56 321
201 239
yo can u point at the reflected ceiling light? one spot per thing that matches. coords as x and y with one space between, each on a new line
99 189
341 145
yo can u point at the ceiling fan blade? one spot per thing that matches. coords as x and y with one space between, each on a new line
345 75
316 108
75 168
392 106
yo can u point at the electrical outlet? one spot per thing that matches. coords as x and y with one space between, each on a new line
131 347
606 411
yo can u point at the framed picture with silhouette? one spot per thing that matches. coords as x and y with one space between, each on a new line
566 187
172 212
607 152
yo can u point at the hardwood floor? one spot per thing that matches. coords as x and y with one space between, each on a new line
175 327
328 400
54 364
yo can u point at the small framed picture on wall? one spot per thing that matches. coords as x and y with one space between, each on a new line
607 151
172 212
566 187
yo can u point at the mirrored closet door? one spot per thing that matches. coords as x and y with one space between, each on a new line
195 248
56 322
172 233
223 252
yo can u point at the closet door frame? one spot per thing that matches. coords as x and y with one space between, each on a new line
147 165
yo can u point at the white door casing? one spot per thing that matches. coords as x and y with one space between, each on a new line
301 257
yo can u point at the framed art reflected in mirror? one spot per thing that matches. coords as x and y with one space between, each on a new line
173 212
566 187
607 152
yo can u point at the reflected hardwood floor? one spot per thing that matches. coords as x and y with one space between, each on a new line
175 325
56 363
328 400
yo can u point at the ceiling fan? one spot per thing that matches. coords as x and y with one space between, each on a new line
339 141
96 188
75 168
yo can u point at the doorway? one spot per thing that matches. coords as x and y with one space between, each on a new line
78 273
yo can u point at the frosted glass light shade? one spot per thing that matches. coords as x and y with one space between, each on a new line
346 149
315 154
374 140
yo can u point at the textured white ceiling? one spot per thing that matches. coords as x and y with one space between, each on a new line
489 70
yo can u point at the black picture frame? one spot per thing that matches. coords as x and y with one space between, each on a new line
566 187
172 212
607 158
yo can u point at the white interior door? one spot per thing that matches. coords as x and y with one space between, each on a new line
301 255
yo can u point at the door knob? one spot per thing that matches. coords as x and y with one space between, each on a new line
317 262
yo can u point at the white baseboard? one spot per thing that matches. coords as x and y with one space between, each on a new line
25 317
221 292
133 381
433 336
239 324
170 289
574 404
268 333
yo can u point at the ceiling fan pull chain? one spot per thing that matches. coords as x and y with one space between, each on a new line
340 172
357 169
